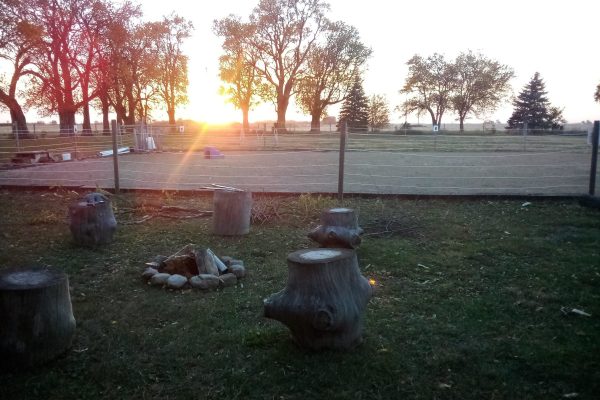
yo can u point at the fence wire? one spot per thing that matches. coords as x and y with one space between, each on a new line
307 162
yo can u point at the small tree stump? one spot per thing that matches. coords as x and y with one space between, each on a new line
339 228
92 220
324 299
231 212
36 317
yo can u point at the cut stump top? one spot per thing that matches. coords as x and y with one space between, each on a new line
340 210
319 256
29 278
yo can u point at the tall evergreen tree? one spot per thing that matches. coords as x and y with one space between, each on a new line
355 109
533 108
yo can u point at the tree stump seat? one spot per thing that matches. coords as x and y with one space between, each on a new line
231 212
339 228
324 299
36 316
92 221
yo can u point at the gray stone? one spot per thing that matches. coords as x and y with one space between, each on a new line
238 270
237 262
205 281
160 279
226 260
149 273
176 281
228 280
199 283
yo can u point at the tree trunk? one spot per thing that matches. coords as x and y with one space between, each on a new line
245 120
92 221
461 121
231 212
433 116
339 228
315 123
86 128
36 314
324 299
66 122
105 120
18 120
282 105
171 114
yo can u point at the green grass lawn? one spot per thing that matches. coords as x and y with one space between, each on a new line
468 303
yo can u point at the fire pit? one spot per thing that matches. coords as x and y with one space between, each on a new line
195 267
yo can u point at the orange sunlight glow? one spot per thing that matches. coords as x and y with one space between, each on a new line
176 174
207 105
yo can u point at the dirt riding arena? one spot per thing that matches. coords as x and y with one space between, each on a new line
561 172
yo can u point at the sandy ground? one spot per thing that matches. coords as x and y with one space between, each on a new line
511 173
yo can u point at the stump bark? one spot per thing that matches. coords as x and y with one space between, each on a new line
92 221
231 212
324 299
339 228
36 316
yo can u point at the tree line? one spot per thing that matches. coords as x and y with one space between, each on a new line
289 48
74 55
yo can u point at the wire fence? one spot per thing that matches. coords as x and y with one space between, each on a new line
263 160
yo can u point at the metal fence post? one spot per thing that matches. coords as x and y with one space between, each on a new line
595 134
113 125
343 135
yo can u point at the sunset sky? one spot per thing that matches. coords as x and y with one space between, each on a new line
556 38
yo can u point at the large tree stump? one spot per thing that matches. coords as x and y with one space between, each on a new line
339 228
324 299
92 220
231 212
36 318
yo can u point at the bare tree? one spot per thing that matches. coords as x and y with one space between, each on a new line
57 82
18 38
237 67
283 34
480 85
133 70
597 94
379 112
172 78
92 22
117 17
332 66
431 82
